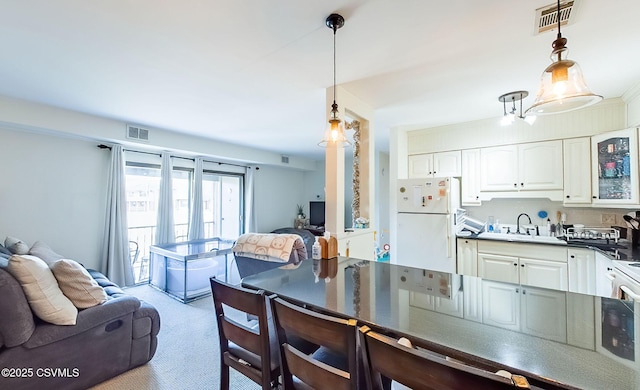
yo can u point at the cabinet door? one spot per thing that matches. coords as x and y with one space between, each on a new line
447 164
577 170
467 257
420 165
471 177
501 305
544 313
499 168
540 166
582 271
604 266
472 292
615 167
498 267
543 273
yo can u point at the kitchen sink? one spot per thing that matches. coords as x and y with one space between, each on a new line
522 238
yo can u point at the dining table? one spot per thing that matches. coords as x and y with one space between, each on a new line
453 311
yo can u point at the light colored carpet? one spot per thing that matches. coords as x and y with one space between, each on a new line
187 354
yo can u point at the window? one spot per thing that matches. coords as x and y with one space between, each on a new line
223 200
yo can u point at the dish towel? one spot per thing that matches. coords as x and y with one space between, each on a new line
270 247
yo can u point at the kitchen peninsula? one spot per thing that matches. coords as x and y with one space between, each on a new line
404 300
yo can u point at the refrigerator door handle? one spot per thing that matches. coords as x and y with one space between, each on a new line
449 237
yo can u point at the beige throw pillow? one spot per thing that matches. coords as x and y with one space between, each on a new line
41 289
77 285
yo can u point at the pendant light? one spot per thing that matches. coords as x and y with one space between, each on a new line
510 116
334 134
562 86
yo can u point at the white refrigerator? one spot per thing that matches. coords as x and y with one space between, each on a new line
426 234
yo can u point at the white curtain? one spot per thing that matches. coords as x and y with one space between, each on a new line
196 223
165 227
250 220
116 263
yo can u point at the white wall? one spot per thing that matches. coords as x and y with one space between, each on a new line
53 189
277 191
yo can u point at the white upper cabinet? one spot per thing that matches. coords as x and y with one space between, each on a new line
471 177
442 164
535 166
577 171
615 168
499 168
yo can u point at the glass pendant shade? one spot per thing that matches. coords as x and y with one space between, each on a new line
334 134
562 89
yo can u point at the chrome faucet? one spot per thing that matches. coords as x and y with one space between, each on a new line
518 222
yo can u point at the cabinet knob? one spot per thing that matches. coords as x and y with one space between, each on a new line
521 184
524 292
573 256
517 291
515 264
568 197
594 197
515 184
522 265
434 172
609 269
477 197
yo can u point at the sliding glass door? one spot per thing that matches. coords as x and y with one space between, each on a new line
222 197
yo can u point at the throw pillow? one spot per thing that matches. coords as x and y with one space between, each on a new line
77 285
43 251
41 289
16 246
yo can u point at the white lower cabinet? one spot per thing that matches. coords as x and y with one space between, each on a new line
604 266
582 271
530 310
528 264
467 257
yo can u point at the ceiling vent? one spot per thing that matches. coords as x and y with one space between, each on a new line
137 133
284 159
547 16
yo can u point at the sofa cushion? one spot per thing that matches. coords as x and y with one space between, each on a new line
16 318
77 285
44 252
41 288
16 246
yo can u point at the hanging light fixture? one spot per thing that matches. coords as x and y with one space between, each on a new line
334 135
510 116
562 87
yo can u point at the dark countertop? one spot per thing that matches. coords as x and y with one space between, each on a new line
376 293
623 250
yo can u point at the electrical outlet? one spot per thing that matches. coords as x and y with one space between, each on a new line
608 219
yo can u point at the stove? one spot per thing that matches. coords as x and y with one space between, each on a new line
629 268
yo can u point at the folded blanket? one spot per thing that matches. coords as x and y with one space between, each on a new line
271 247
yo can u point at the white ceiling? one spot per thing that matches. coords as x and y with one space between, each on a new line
255 72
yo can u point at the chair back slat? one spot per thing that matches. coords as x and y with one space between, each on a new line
421 370
315 373
252 342
337 335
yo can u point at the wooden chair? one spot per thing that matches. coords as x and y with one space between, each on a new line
418 369
243 348
333 366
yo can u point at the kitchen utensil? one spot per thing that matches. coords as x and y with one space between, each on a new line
631 221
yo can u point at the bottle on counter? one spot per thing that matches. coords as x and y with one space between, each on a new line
316 250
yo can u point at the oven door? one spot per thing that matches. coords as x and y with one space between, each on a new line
617 322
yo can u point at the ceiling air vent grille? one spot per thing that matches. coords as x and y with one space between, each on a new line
137 133
284 159
547 17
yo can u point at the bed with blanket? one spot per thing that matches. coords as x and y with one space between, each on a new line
259 252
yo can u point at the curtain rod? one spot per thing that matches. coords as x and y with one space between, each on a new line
103 146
